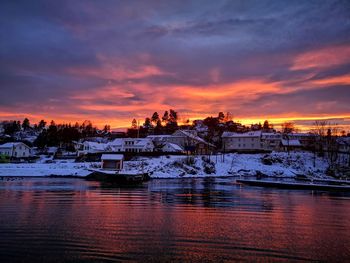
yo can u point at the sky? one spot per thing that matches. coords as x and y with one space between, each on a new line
112 61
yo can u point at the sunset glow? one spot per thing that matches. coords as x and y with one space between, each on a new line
122 61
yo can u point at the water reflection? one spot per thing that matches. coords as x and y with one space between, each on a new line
169 220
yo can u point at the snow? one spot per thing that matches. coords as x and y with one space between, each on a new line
114 157
45 169
12 144
179 166
230 165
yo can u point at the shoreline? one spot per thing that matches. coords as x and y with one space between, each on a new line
276 164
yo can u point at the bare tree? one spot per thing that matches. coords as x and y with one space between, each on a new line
287 127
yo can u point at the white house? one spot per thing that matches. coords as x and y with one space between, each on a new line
131 145
15 150
248 141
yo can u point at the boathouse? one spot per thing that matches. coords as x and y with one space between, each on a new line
112 161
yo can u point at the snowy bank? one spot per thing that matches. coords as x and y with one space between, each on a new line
45 169
274 164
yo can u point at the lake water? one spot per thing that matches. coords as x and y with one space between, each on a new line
207 220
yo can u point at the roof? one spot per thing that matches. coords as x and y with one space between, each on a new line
270 134
174 146
113 157
117 142
142 141
12 144
96 145
241 135
190 134
291 142
300 134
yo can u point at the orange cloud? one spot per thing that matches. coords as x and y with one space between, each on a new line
338 80
322 58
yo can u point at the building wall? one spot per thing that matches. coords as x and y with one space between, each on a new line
18 151
242 143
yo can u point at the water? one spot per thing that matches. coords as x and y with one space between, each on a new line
207 220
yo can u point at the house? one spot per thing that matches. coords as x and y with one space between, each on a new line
306 139
242 142
138 145
131 145
112 161
271 141
90 147
344 144
15 150
187 140
160 140
290 144
172 148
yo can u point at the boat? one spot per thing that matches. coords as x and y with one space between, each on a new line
296 185
115 176
111 170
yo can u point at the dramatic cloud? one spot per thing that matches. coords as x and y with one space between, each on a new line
111 61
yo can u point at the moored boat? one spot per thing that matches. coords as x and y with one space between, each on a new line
296 185
117 176
112 171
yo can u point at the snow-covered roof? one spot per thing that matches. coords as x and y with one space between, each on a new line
159 136
96 145
291 142
12 144
112 157
242 135
194 137
143 141
270 134
173 146
117 142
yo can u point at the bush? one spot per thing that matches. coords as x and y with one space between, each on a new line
4 158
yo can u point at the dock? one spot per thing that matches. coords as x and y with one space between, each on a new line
295 185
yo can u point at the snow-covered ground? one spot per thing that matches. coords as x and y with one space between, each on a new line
275 164
231 164
45 169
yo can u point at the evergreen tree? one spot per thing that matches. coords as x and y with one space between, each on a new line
147 124
155 118
173 116
26 124
41 124
165 117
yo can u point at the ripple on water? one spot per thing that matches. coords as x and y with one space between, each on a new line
60 219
